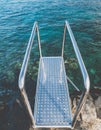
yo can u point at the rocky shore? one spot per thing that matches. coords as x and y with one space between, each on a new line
13 116
90 117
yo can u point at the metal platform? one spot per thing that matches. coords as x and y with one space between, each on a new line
52 105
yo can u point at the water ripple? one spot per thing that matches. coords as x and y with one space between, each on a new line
17 18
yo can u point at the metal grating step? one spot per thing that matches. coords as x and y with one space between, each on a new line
52 105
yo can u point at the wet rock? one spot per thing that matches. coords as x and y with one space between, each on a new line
96 125
14 117
95 92
98 106
74 105
78 126
92 125
89 111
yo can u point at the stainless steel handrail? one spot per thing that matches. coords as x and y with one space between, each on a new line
22 75
82 68
27 54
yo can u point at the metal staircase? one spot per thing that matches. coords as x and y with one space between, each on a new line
52 107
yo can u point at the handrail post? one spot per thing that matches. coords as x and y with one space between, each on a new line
82 68
38 34
27 105
64 37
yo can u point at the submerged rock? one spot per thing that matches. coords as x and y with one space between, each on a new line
71 63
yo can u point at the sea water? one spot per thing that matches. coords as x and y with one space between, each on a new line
16 21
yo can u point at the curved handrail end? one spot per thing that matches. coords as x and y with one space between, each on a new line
35 23
87 84
21 83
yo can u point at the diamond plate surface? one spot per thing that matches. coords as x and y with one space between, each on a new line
52 107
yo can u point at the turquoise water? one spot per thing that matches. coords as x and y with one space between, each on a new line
16 21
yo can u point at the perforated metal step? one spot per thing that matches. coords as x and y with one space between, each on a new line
52 105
